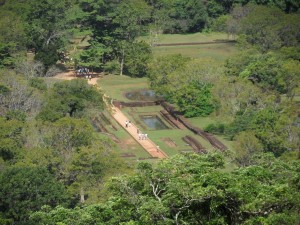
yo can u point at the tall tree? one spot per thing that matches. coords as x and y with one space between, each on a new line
26 189
47 28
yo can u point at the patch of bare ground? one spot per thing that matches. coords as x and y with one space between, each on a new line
70 75
169 142
67 75
128 144
128 155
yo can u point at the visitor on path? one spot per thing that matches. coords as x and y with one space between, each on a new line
140 136
126 124
157 148
146 136
129 123
137 131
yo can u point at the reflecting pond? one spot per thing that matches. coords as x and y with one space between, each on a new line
154 122
143 95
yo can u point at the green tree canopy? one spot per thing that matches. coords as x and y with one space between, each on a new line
24 190
70 98
194 189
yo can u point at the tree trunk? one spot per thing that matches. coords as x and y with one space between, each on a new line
122 62
82 196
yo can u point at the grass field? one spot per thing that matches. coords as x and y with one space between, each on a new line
115 86
220 52
184 38
217 51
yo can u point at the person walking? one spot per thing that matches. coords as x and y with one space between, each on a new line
126 124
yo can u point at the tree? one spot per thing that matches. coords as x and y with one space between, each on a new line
93 57
70 98
267 28
190 15
12 37
129 19
246 146
11 140
194 99
290 77
137 59
47 28
192 188
25 189
160 70
20 97
48 55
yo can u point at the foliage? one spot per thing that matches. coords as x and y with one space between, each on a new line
188 16
6 58
218 128
26 189
267 28
160 70
70 98
137 59
48 55
11 140
246 145
192 188
92 57
18 95
194 100
38 83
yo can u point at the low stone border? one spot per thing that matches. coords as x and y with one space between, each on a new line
194 144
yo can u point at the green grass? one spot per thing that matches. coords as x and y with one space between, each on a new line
219 52
115 86
184 38
201 122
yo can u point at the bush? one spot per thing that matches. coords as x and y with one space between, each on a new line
38 83
217 128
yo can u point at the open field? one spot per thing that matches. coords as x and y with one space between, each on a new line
220 52
217 51
115 86
183 38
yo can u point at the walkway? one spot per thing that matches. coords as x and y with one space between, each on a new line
148 145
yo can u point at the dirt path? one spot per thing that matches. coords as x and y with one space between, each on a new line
70 76
148 145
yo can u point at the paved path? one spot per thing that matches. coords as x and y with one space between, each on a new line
148 145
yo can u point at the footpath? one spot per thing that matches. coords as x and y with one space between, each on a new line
147 144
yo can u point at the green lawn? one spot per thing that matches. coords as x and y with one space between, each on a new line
115 86
218 51
184 38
